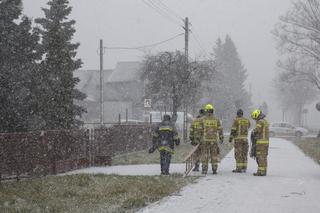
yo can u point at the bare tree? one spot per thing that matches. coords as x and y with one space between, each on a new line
293 96
171 79
298 34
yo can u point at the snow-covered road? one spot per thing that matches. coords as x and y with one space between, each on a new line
292 186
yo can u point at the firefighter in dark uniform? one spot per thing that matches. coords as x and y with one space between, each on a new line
164 138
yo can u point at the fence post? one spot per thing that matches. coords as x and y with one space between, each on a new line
16 156
2 151
87 138
92 151
53 157
119 119
44 144
1 158
127 115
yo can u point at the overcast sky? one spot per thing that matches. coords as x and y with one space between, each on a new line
131 23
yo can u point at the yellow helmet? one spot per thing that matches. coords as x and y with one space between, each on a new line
209 107
255 114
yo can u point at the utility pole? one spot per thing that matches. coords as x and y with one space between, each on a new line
186 38
101 81
186 52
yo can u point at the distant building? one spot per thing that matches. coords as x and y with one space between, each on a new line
123 92
90 85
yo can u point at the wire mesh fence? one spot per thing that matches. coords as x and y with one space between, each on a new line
34 154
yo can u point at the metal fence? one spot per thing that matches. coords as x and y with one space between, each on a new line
34 154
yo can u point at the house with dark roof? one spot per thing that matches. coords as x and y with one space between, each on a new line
122 89
90 85
124 92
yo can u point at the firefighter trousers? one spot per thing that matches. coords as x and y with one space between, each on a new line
241 148
262 148
165 159
210 151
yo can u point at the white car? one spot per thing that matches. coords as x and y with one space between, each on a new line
286 129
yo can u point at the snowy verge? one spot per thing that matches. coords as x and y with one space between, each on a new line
292 186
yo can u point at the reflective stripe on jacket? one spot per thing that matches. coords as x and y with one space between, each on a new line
211 128
261 131
165 135
240 128
196 130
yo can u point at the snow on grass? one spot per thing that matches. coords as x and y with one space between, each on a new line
143 157
310 146
87 193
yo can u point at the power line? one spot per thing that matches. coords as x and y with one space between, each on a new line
167 13
200 45
161 12
145 46
163 5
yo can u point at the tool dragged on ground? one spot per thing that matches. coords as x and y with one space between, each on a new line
191 159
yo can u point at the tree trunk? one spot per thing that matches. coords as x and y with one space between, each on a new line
175 105
175 110
300 115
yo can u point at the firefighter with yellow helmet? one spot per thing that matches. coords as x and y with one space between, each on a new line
239 134
212 133
260 135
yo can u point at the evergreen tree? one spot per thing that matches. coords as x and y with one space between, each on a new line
227 87
56 89
18 55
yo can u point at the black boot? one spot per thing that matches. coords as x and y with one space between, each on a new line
196 167
259 174
214 170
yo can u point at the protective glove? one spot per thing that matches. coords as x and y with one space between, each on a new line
151 150
221 140
192 141
178 142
